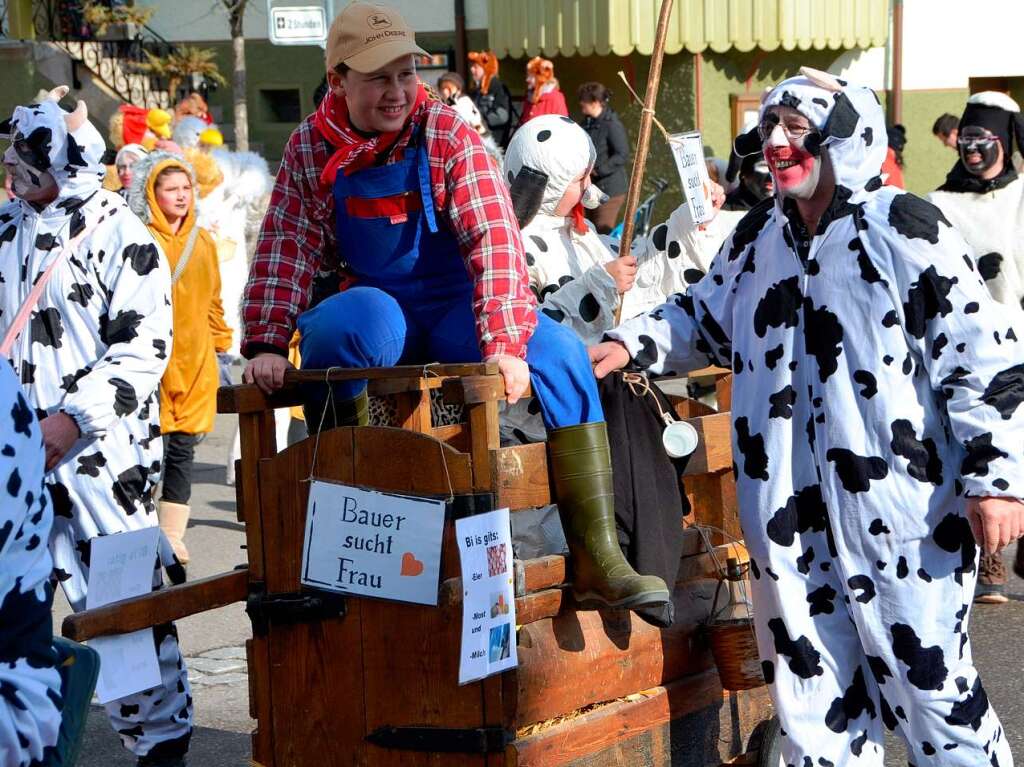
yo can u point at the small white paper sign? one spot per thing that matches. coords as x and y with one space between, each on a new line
120 567
488 595
688 151
372 543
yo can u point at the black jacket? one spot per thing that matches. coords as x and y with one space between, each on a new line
496 108
609 137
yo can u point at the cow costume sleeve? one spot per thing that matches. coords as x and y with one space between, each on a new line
966 343
581 303
137 330
30 703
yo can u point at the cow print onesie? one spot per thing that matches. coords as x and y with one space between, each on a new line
95 348
876 384
30 701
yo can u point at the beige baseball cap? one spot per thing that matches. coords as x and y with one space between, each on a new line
365 37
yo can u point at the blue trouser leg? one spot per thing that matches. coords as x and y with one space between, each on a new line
563 381
361 327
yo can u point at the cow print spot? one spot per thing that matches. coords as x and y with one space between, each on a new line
144 257
125 399
693 276
952 534
988 265
556 314
803 511
772 357
821 601
8 234
539 242
842 121
46 241
48 328
161 348
804 659
1005 391
868 135
970 711
91 464
902 570
81 293
980 453
927 299
864 584
543 135
131 488
915 218
589 308
857 744
923 456
782 402
22 416
128 710
122 329
750 226
867 380
674 250
62 503
926 668
855 471
751 447
768 669
879 669
824 338
868 272
878 527
28 372
888 717
779 307
648 353
659 236
853 703
803 562
890 319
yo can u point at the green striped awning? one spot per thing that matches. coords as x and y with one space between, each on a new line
619 27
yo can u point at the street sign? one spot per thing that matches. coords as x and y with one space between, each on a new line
297 24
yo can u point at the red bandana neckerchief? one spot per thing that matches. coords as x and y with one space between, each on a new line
579 220
353 151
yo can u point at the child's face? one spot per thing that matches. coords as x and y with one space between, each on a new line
173 194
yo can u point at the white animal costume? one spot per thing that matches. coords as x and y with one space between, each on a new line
566 257
30 700
990 214
95 349
876 385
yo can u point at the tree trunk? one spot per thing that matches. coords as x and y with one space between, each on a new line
237 12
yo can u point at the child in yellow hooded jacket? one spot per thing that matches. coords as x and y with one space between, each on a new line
162 196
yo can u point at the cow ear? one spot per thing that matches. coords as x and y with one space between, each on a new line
822 79
77 119
6 128
58 93
747 143
527 193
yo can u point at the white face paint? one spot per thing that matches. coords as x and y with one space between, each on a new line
796 170
27 183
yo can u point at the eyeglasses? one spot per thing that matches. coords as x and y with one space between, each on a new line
976 139
795 132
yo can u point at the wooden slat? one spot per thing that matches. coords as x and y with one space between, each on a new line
413 410
582 657
455 435
723 393
522 476
540 573
580 739
685 407
484 441
540 605
257 432
714 371
714 446
169 604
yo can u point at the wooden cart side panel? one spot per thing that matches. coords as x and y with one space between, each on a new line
314 670
411 652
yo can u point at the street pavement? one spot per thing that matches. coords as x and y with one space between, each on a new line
213 642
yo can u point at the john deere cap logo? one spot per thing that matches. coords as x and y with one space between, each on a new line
378 21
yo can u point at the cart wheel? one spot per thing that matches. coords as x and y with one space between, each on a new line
765 740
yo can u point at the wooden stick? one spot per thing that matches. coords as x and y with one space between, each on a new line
644 139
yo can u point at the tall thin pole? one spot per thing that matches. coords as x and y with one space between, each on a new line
644 139
897 61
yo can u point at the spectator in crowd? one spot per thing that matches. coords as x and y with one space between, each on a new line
608 135
451 89
945 129
90 365
543 96
162 196
446 279
983 197
878 432
754 182
30 706
892 167
125 158
491 96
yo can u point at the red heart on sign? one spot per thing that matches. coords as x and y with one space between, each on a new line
410 565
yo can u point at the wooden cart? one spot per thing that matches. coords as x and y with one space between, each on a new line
353 681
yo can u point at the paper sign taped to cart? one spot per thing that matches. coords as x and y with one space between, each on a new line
688 151
371 543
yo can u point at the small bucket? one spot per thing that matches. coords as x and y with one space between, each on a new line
735 651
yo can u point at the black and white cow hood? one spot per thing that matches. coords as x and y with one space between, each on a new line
544 157
71 144
849 118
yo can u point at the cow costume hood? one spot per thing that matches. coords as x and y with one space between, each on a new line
849 118
65 145
544 157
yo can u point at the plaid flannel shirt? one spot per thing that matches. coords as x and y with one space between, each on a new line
297 239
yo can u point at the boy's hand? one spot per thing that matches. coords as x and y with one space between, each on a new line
516 374
608 357
266 370
623 272
717 196
60 432
995 522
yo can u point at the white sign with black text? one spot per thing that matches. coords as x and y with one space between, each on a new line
488 595
297 24
688 151
372 543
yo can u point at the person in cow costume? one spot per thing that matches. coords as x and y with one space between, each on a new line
401 189
90 361
876 431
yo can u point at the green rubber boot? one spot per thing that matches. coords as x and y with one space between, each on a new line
582 473
322 413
